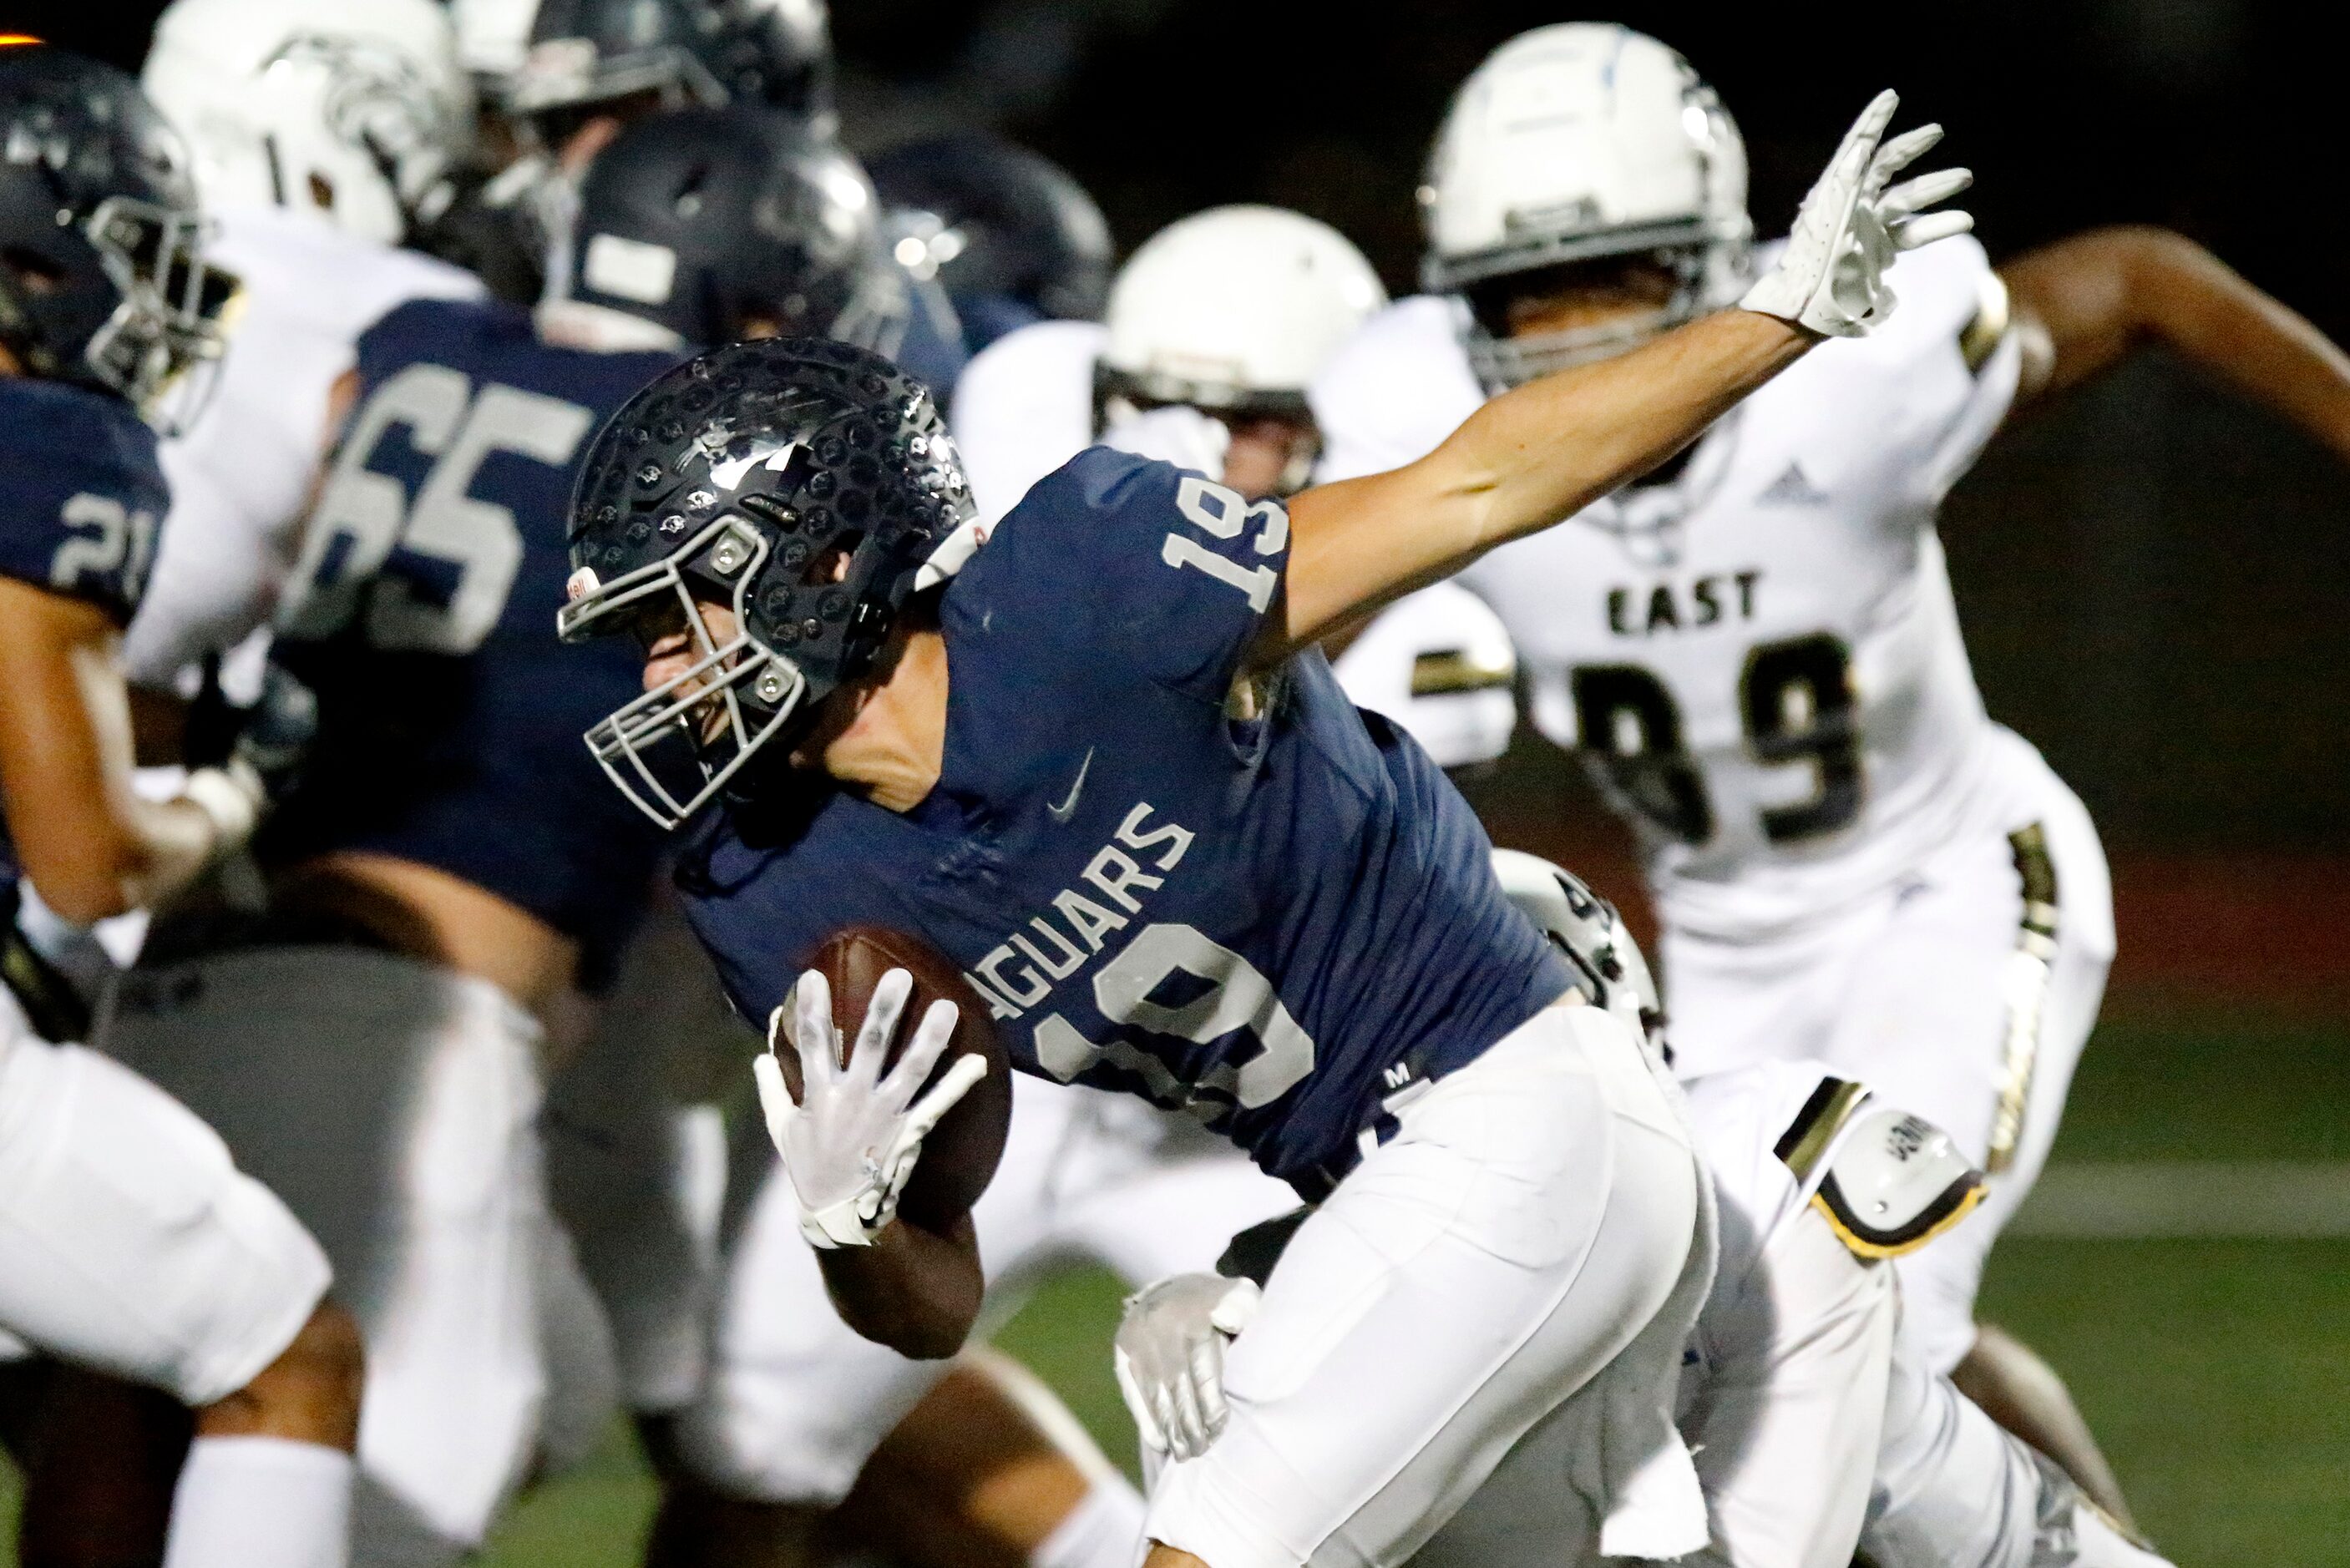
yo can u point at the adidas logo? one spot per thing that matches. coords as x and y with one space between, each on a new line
1794 488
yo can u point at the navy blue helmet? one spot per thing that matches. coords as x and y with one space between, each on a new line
716 222
594 56
102 277
992 219
802 483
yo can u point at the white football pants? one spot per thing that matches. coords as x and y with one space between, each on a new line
1924 993
393 1103
129 1240
1519 1266
1955 1491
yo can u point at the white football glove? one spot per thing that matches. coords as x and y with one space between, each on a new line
1169 1356
849 1142
1830 277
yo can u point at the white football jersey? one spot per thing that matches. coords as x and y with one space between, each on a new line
1759 655
1438 662
241 473
1025 406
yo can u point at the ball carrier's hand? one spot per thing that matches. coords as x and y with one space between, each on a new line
850 1140
848 1144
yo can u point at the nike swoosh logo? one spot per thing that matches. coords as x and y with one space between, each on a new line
1068 808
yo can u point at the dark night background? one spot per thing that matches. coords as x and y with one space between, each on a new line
2153 578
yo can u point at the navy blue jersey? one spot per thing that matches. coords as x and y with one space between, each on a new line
988 317
1275 921
81 494
423 616
80 498
932 351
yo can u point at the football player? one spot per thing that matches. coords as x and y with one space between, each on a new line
450 866
1283 915
323 138
1010 236
1214 330
1218 323
129 1241
560 78
796 1402
1813 1433
1758 652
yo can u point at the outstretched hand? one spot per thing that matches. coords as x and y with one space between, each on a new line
1854 224
850 1139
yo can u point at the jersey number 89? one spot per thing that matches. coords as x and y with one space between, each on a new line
432 576
1795 702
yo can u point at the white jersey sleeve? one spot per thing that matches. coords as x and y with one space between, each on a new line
1393 391
1783 1400
1440 664
1023 406
240 474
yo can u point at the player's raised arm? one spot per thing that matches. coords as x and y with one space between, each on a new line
2084 302
1537 455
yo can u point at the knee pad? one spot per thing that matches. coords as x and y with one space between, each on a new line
133 1243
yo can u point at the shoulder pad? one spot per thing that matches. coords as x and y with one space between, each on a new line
1894 1182
1887 1181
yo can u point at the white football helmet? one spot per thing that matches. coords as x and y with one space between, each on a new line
492 38
1572 143
1233 310
1586 930
355 109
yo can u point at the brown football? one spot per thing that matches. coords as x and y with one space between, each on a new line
960 1157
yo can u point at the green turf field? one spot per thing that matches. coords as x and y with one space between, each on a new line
2216 1372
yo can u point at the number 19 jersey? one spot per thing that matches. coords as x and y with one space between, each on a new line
1277 921
1759 657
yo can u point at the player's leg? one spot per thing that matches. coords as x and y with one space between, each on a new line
795 1401
637 1156
2017 1387
1531 1247
1964 1013
268 1479
131 1244
393 1103
991 1469
1149 1194
1952 1489
1731 1003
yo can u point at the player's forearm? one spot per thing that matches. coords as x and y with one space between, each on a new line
1528 459
2099 295
1544 451
912 1290
90 845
